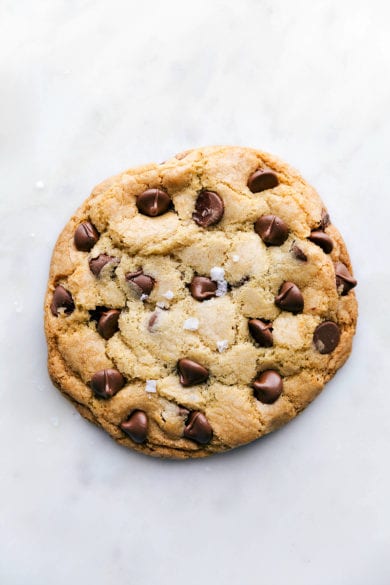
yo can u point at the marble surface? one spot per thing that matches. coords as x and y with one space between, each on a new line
89 88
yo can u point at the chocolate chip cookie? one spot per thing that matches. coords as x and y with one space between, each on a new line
198 304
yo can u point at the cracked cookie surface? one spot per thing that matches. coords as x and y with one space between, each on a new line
198 304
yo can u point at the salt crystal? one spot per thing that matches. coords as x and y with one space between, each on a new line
168 295
191 324
222 345
151 386
235 257
217 274
143 297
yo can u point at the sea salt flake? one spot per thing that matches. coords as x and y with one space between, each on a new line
222 345
191 324
168 295
143 297
151 386
217 273
235 257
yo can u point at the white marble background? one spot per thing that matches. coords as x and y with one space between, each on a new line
89 88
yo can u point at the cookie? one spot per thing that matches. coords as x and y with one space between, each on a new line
196 305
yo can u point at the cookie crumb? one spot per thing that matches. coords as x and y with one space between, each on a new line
217 274
151 386
222 345
191 324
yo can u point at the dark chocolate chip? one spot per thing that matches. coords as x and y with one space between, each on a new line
209 209
268 386
325 219
261 180
136 426
142 283
191 373
298 253
202 288
261 332
344 280
153 202
97 264
326 336
106 383
86 236
289 298
198 428
272 230
322 240
62 299
152 321
108 323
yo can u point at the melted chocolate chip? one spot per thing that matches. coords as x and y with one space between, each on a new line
325 219
62 299
268 386
153 202
198 428
85 236
289 298
272 230
298 253
136 426
209 209
106 383
97 264
326 336
261 180
142 283
191 373
344 280
322 240
108 323
202 288
261 332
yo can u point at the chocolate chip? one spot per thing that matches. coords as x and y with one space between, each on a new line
322 240
191 373
62 299
326 336
202 288
198 428
261 180
97 264
153 202
142 283
209 209
298 253
108 323
268 386
152 321
325 219
272 230
85 236
106 383
344 280
136 426
261 332
289 298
